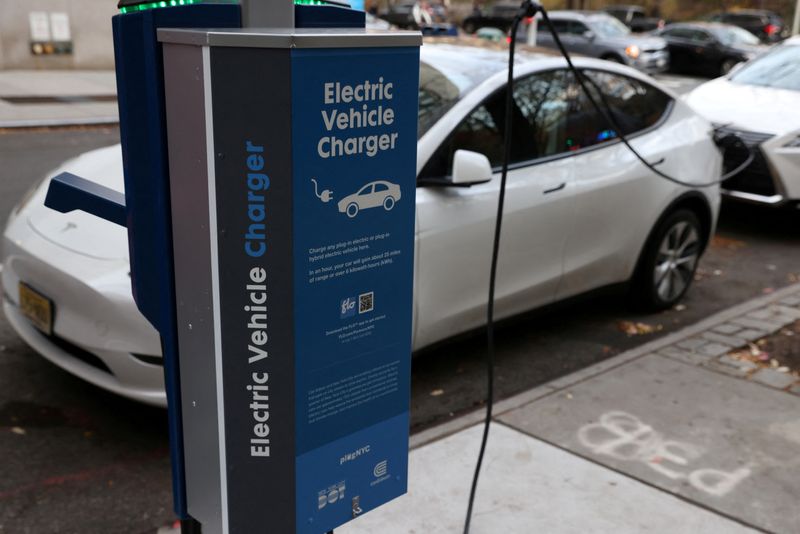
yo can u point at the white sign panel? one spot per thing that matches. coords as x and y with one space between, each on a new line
40 26
59 25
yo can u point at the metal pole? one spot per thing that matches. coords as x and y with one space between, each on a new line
267 13
796 25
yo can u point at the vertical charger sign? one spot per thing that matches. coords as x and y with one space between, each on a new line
305 203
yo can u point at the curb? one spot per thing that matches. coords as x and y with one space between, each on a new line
526 397
58 123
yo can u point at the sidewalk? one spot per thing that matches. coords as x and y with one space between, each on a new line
57 98
674 436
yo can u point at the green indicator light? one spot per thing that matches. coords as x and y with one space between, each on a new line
146 6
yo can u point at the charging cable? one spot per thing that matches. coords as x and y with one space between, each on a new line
530 8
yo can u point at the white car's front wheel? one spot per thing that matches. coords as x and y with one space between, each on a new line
388 203
352 210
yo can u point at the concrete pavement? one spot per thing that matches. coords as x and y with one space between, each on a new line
57 98
674 436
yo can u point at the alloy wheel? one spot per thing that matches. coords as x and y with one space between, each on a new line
676 260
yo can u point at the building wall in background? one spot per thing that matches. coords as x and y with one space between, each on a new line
90 28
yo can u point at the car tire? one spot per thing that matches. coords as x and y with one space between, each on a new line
727 66
388 203
668 263
352 210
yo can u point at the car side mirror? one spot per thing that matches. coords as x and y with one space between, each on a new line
588 35
470 168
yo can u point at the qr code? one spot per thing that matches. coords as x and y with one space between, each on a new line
366 302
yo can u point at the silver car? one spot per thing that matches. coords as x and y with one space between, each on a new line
600 35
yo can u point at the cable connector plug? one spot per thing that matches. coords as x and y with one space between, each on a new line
529 8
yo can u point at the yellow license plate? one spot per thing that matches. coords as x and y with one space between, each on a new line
36 307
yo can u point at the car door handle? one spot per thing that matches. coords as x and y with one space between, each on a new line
556 188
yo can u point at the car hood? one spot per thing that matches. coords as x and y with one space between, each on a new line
78 231
644 42
749 107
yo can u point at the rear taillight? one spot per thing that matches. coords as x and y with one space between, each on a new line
771 29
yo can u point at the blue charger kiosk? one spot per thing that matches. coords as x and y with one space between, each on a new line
270 179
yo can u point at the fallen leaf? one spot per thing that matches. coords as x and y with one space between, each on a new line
783 369
569 395
680 307
18 430
637 329
768 290
771 267
774 363
437 392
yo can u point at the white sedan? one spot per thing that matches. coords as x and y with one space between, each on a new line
760 102
581 213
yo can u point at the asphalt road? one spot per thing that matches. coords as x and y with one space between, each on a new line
78 459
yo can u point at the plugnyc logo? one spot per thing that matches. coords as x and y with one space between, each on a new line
348 307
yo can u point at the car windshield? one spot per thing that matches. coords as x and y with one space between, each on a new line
609 27
779 69
449 74
733 35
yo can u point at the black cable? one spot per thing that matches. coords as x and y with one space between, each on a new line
529 9
609 118
493 272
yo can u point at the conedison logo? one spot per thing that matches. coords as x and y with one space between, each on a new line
381 469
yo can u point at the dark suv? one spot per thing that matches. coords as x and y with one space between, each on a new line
498 16
635 18
766 25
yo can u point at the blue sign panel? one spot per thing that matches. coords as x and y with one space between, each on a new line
354 139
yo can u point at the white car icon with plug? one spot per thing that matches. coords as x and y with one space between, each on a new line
373 195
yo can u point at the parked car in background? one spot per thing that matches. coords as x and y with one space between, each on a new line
412 16
761 103
600 35
498 16
709 48
407 15
582 212
635 18
768 26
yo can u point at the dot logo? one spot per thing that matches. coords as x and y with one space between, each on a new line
347 308
381 469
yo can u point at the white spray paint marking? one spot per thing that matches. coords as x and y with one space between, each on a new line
625 437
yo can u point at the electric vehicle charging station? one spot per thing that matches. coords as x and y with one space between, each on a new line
270 184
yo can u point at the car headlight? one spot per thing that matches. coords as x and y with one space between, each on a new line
632 51
794 143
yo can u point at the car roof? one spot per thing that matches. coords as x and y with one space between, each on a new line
467 66
578 14
699 24
625 6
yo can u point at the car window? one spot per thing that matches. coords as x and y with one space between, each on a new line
699 36
635 106
609 27
366 190
381 187
578 28
677 33
560 26
437 94
779 68
551 116
732 35
539 123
